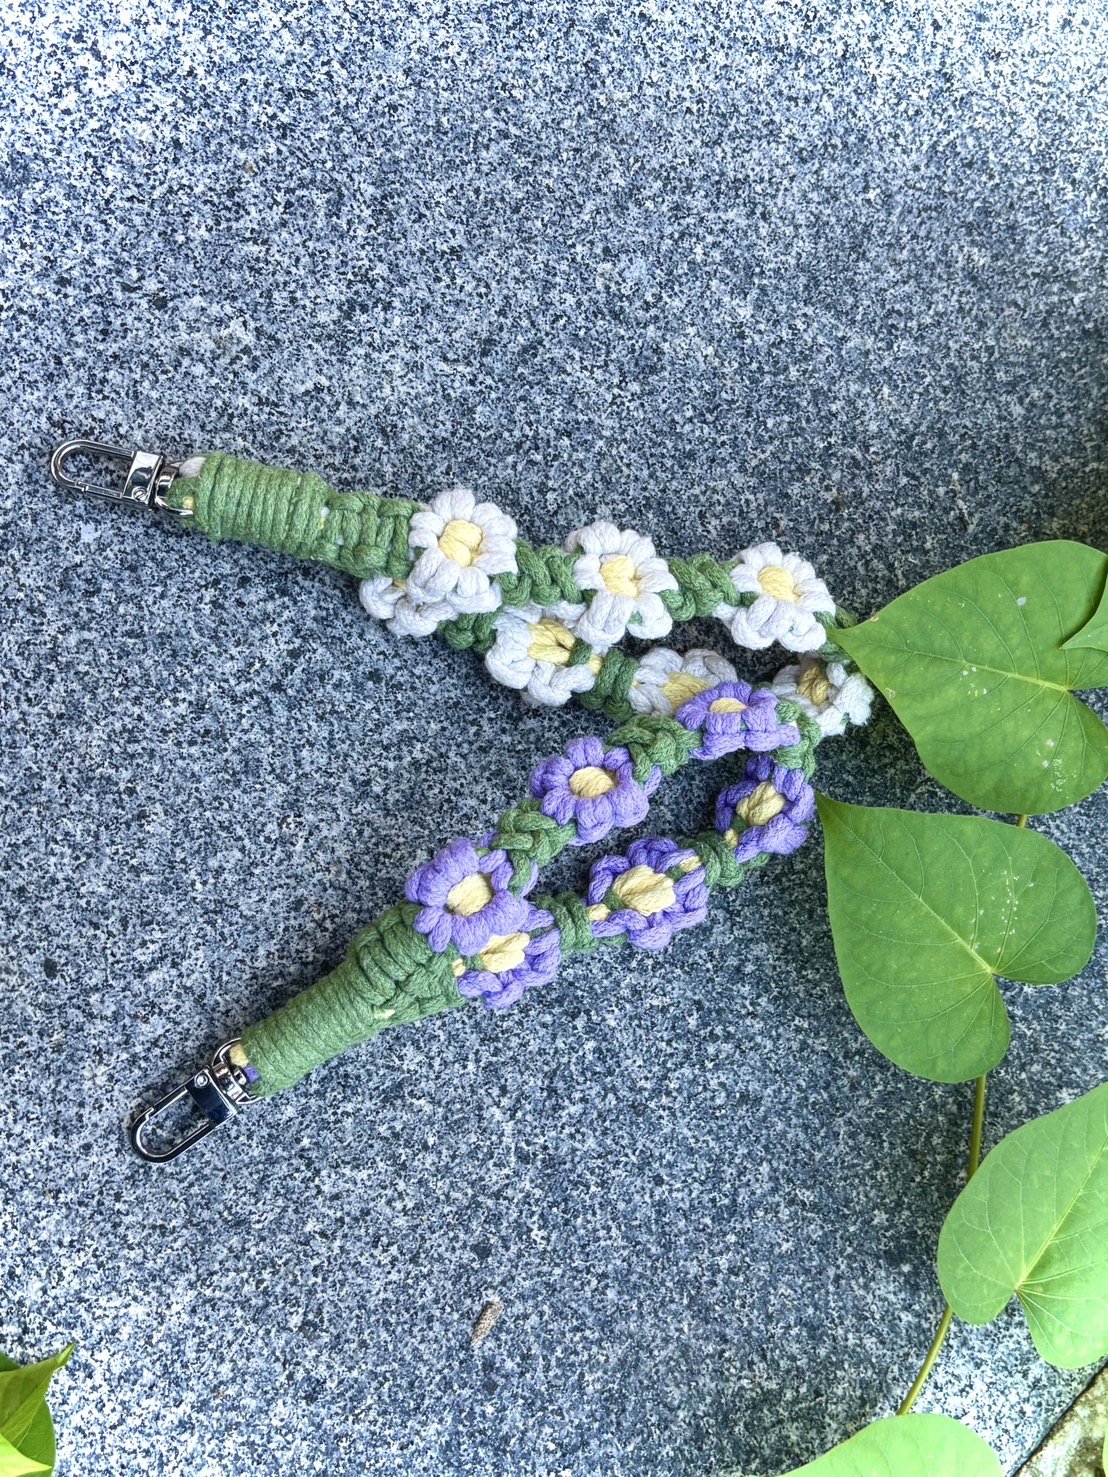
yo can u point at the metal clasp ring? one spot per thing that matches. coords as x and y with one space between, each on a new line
148 478
218 1092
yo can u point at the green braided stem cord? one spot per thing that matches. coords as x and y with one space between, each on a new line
365 534
531 838
388 978
391 976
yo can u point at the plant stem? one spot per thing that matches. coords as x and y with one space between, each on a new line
978 1128
925 1368
943 1329
976 1132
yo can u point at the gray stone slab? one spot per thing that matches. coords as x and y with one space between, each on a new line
1075 1448
719 272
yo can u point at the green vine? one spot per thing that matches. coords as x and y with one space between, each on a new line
982 665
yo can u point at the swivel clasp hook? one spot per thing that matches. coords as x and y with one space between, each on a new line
218 1092
145 483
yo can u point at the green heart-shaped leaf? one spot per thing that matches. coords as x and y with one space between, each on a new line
1095 633
1033 1222
26 1431
926 910
907 1446
978 666
15 1463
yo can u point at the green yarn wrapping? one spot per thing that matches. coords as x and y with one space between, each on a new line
297 513
389 977
702 585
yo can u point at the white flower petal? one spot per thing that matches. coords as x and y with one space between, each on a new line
561 610
701 661
418 620
470 582
379 596
649 618
432 575
586 572
745 579
800 637
799 568
594 539
745 633
458 502
855 698
605 620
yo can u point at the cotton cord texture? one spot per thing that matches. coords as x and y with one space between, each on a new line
547 622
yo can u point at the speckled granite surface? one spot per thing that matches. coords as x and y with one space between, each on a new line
717 272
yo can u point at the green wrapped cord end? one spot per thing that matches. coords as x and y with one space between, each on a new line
295 513
390 977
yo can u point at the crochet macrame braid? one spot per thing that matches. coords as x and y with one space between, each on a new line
548 622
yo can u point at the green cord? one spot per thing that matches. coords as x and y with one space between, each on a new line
391 977
366 535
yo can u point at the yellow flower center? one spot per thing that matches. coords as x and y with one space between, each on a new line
590 782
469 895
814 685
504 952
681 686
762 806
461 541
550 642
645 891
727 705
778 582
620 576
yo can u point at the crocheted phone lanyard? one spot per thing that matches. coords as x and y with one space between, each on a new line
548 622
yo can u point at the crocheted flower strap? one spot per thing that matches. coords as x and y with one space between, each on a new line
470 929
546 620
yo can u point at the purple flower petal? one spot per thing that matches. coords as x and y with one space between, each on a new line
755 726
541 958
781 833
625 803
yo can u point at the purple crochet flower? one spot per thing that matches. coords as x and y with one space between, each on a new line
650 906
733 716
594 787
515 963
774 803
465 898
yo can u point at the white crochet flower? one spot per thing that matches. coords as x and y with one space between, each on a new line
827 693
628 577
789 599
464 542
390 601
532 652
665 679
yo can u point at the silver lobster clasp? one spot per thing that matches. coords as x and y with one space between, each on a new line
144 484
216 1093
